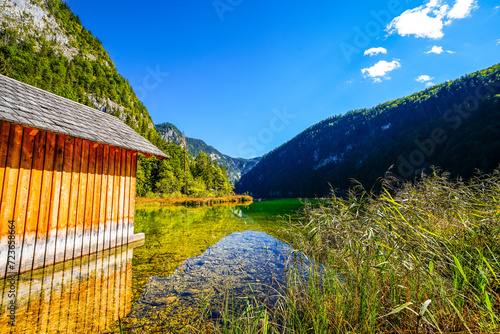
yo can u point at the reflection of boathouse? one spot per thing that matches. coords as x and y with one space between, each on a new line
84 295
67 179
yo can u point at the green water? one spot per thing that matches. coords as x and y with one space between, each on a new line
175 234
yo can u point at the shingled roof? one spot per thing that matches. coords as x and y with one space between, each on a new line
27 105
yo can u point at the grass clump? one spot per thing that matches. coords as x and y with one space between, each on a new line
422 258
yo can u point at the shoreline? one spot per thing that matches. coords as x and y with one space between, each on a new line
142 202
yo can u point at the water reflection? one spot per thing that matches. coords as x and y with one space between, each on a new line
174 234
84 295
90 294
243 264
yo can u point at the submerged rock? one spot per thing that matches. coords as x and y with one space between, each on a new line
245 264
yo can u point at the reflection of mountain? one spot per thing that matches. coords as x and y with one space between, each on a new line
243 263
84 295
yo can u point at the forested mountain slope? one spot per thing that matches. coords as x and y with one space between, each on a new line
454 125
42 43
236 167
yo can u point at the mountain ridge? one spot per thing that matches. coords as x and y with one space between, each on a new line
432 127
236 167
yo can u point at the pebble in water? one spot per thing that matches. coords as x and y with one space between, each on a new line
244 264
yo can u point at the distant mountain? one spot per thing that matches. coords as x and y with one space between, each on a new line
236 167
454 125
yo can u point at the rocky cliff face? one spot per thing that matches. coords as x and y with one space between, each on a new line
169 132
32 18
50 24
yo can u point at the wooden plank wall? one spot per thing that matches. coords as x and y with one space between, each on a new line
68 197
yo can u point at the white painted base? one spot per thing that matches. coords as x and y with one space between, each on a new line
34 253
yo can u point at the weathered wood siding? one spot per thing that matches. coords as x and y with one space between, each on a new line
68 197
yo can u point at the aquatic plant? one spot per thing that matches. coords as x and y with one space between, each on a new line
421 257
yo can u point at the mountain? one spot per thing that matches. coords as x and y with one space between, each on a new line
42 43
454 125
236 167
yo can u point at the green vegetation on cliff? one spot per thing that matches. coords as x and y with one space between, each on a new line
72 63
235 167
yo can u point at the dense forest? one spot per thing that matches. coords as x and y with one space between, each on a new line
235 166
454 125
80 69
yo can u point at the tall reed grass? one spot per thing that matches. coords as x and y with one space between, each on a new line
421 257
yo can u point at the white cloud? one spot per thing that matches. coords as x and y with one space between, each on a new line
495 11
379 71
375 51
462 9
429 84
438 50
423 78
498 42
423 21
428 20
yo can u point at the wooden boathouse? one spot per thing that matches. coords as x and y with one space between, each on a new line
67 179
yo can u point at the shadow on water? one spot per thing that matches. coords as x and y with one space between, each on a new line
192 260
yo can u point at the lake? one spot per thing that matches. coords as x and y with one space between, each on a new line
193 263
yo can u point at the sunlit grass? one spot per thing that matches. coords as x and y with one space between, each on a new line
416 258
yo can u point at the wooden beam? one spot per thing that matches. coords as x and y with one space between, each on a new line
133 174
96 237
4 146
11 177
55 201
126 208
34 201
116 197
65 197
82 196
110 199
9 190
121 198
73 201
22 194
45 204
104 197
89 201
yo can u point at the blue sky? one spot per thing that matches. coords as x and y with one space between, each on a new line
246 76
